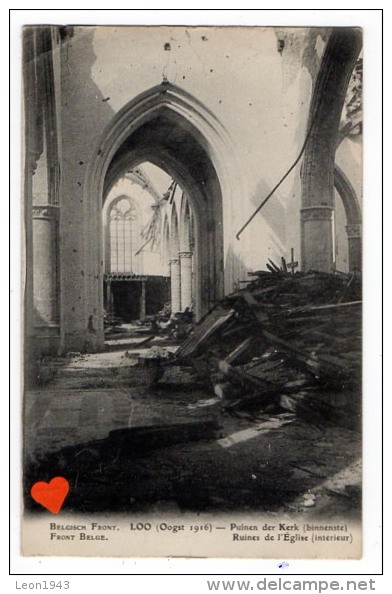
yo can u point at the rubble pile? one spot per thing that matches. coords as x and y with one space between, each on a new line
175 326
292 340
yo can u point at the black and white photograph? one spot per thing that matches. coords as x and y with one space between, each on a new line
192 290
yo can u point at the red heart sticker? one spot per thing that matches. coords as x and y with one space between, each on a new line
51 495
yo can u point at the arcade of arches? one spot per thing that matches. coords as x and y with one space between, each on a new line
136 202
149 245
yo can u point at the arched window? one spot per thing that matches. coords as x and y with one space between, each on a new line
123 235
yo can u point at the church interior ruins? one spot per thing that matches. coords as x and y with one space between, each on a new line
192 294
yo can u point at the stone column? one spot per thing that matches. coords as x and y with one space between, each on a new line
109 297
317 238
317 171
143 301
175 278
186 279
354 247
42 183
45 266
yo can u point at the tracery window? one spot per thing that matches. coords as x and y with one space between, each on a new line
123 235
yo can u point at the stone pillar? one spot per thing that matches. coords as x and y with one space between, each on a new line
42 182
175 278
317 234
109 298
317 171
45 265
143 301
186 279
354 247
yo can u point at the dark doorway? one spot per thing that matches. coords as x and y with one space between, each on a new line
157 294
127 300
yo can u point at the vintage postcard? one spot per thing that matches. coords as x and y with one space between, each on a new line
192 204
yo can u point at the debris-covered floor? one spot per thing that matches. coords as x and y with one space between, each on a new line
249 413
244 461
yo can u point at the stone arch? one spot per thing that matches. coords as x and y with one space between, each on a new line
171 129
353 218
174 235
185 225
165 242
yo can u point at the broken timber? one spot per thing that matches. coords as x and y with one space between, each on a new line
284 333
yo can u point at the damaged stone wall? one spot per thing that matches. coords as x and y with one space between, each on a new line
84 113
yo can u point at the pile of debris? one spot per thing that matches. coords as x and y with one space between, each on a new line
175 327
291 339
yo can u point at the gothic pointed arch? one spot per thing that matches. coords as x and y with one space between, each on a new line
171 129
174 235
166 242
353 218
185 225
